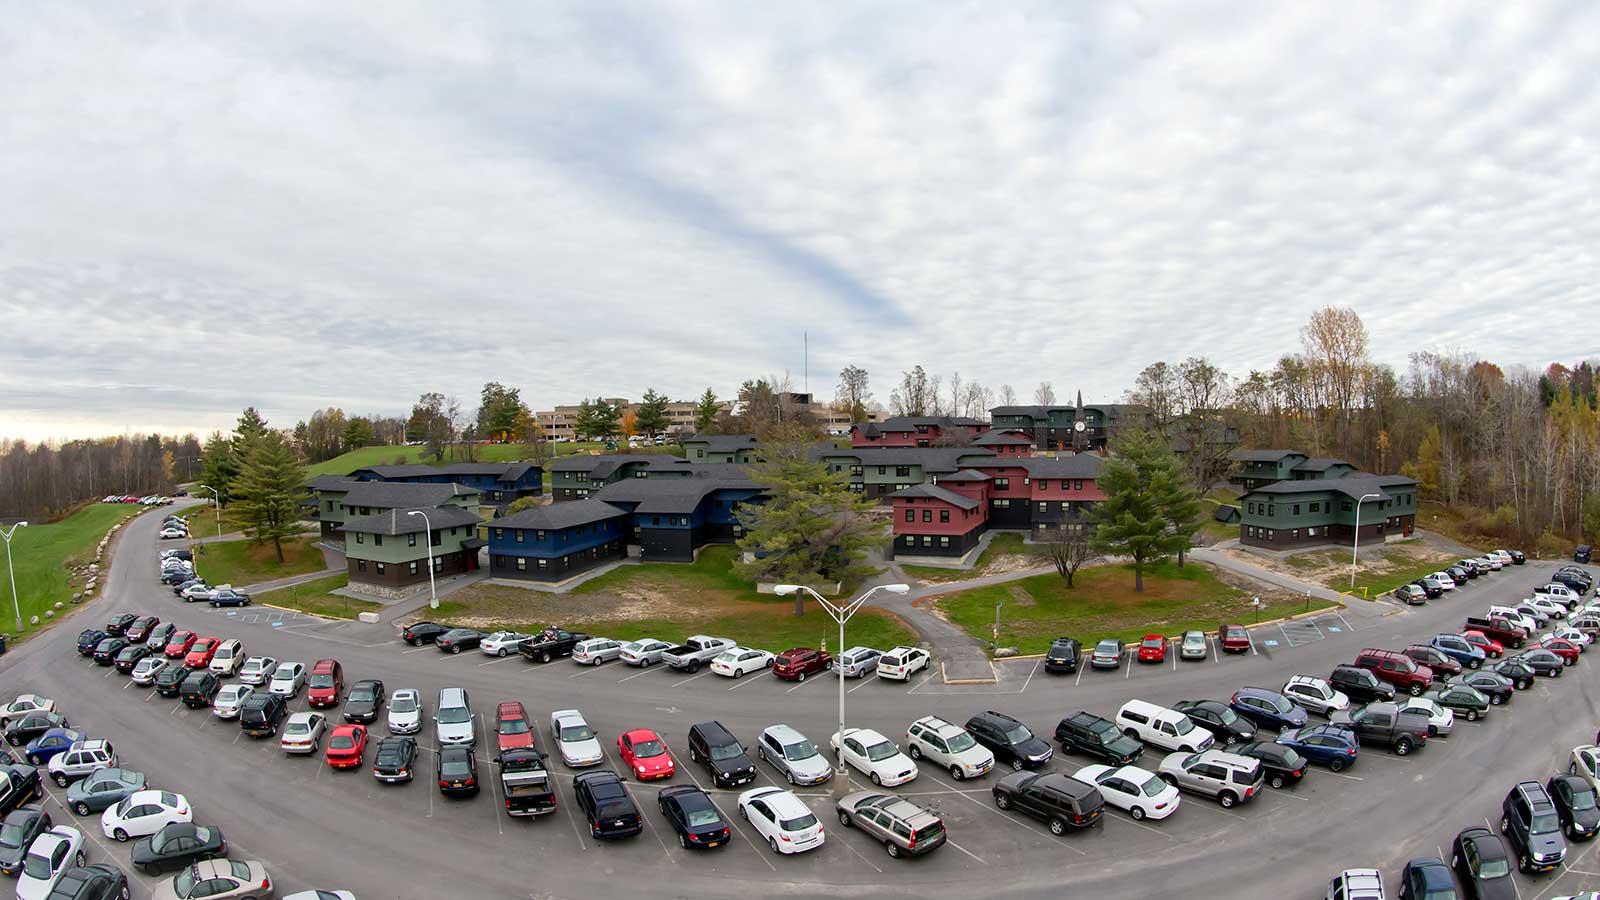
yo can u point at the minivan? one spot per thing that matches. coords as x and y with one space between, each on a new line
454 722
1162 727
325 684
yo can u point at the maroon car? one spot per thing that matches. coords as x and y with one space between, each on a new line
1433 659
797 664
1233 638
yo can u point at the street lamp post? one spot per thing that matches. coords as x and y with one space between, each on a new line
15 605
433 595
1355 544
216 504
840 614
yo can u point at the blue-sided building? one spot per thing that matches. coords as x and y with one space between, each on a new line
557 541
498 484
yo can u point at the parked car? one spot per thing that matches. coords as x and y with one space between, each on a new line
178 646
365 699
1410 594
257 670
139 631
1063 656
900 663
1267 709
347 747
419 633
1458 648
80 760
88 640
142 813
595 651
1388 725
1584 761
1438 663
1577 804
1141 794
102 789
857 662
1328 745
694 818
1492 649
303 733
792 754
1230 778
607 805
1234 638
948 746
1543 662
874 756
169 680
1480 860
1162 727
405 711
19 830
201 652
740 661
199 689
325 684
228 658
261 714
222 878
1514 669
458 639
32 726
1107 654
129 657
394 759
512 728
106 653
1360 685
457 771
19 785
1227 726
1397 669
799 663
1282 764
24 705
1497 688
49 856
224 596
574 740
645 754
501 643
1441 721
1084 732
1153 648
1192 645
287 679
903 828
454 722
779 816
1011 742
1460 699
643 652
1356 884
1530 824
96 881
230 698
1314 694
177 846
45 747
1427 878
1063 803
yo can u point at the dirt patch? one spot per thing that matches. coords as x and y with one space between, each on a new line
1331 566
1019 596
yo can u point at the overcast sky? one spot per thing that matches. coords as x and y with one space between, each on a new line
291 205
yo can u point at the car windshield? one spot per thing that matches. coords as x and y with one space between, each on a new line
573 733
702 817
1494 868
363 693
1153 643
37 867
321 681
513 726
183 884
1018 734
11 835
1280 703
882 751
648 748
804 822
454 715
454 769
1236 633
1106 647
798 751
1184 725
960 741
403 705
1227 716
297 728
342 742
284 673
727 751
1544 823
1152 787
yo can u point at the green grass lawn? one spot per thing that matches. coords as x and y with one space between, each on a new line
1103 604
241 563
1002 544
317 597
670 601
40 553
345 463
203 521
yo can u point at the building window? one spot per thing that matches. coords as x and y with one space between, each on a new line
944 515
544 563
1297 509
377 540
438 563
380 567
538 534
360 539
518 534
1270 534
1077 484
655 521
361 565
1002 484
1345 506
1316 507
911 540
944 541
411 539
902 471
1043 508
1002 503
927 540
1295 534
927 515
1272 510
522 564
1311 532
1044 484
683 520
411 567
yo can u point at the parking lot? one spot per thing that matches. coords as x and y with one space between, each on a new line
318 827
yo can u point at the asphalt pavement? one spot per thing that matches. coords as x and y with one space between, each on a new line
316 828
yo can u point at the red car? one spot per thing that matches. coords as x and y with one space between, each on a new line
511 728
1233 638
645 754
325 684
1490 647
1153 648
346 746
179 646
200 653
1567 650
796 664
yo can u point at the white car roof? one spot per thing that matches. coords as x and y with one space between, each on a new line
405 692
568 717
939 726
287 668
784 803
866 736
303 718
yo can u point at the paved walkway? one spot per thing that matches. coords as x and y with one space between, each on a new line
290 581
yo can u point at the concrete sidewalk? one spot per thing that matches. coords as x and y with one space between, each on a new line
289 581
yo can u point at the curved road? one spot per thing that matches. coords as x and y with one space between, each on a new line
317 828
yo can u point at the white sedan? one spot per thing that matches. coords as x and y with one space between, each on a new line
779 816
1585 762
303 732
1444 579
229 699
193 592
595 651
1140 793
23 705
1440 720
144 813
49 855
405 711
1581 638
875 756
501 643
736 662
170 533
644 652
575 740
1549 607
287 679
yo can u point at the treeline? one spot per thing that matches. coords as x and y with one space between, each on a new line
48 479
1516 451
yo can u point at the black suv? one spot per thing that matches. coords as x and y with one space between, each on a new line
1062 656
1009 740
199 688
1360 685
1227 726
715 747
1530 823
1576 804
88 639
170 680
97 881
606 803
1065 803
261 714
1088 733
1581 553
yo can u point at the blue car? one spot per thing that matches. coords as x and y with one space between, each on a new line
1459 649
1267 709
42 748
1328 745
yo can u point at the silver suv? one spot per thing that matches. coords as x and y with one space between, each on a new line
1230 778
453 721
903 827
792 754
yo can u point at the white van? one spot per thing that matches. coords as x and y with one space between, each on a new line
1163 727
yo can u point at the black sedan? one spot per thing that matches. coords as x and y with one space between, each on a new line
1227 726
396 755
695 819
1514 669
16 833
88 639
1462 699
129 656
1481 862
458 772
106 653
176 845
1543 662
120 623
458 639
1577 805
1498 688
169 681
160 636
96 881
33 725
364 701
1281 765
418 633
1430 588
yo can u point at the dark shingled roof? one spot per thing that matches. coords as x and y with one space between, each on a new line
395 494
723 443
601 467
333 483
400 521
1225 513
931 459
1078 465
672 496
965 475
1111 410
1262 455
959 501
557 516
997 438
1353 486
506 471
910 423
1320 464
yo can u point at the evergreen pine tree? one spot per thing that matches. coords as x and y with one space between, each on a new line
267 488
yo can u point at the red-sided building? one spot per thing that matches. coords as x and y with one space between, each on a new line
917 431
1008 444
944 519
947 516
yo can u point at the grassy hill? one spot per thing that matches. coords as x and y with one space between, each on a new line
40 554
345 463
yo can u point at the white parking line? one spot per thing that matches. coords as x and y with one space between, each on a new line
415 650
1079 680
966 851
863 683
1252 639
1345 621
1012 819
847 846
1130 664
692 678
734 821
741 682
1216 652
586 670
499 659
644 671
1031 672
801 684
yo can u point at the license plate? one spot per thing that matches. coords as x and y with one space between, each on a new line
712 844
455 784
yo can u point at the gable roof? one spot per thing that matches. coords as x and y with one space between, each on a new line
931 459
965 475
1320 464
556 516
505 471
1078 465
1001 437
1262 455
604 465
333 483
400 521
673 496
723 443
933 491
1354 486
896 424
396 494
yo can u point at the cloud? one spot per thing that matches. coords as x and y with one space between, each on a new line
302 205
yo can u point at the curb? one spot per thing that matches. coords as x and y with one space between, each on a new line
1299 615
993 680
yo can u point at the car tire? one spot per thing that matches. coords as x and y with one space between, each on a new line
544 656
891 848
60 778
1058 827
1474 663
694 667
1137 813
1169 779
120 835
1472 715
644 663
123 894
801 677
81 809
1016 765
1415 690
683 841
14 740
1335 765
35 760
957 773
501 652
738 673
773 843
152 869
1496 699
597 661
1402 747
455 648
1002 801
1278 782
80 859
876 781
788 776
844 819
914 752
1227 799
1433 731
1525 684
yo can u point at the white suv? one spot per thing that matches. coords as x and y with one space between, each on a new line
228 658
901 663
81 760
779 816
1315 694
949 746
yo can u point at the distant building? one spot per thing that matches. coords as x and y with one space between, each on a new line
339 499
500 484
576 477
740 449
1309 511
917 431
391 549
1259 468
1058 427
559 424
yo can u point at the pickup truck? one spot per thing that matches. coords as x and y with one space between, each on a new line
18 785
1384 723
1497 627
696 652
550 643
525 783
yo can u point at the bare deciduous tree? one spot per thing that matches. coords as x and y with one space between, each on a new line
1044 394
1070 549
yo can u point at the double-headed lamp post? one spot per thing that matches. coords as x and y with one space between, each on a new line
433 596
1356 542
840 614
15 605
